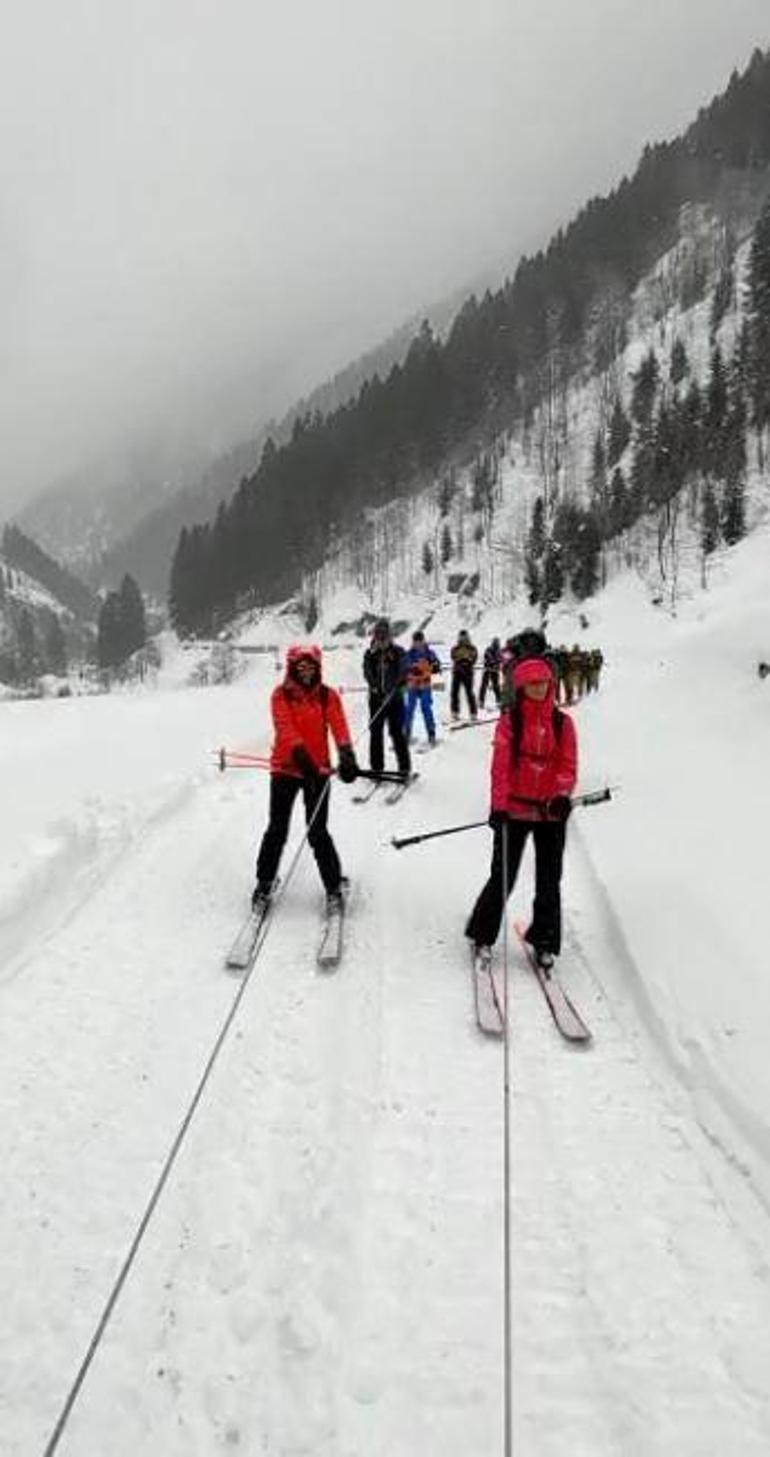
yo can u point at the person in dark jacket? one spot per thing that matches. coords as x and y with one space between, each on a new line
490 677
464 658
385 671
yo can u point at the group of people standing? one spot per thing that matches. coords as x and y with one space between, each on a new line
577 671
533 771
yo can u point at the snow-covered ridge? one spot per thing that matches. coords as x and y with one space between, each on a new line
381 565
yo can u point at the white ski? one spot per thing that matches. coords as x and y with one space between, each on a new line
487 1000
244 947
400 789
329 952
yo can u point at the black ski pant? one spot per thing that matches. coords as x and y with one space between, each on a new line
284 789
490 678
388 711
544 931
464 681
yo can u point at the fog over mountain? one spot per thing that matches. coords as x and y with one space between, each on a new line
204 211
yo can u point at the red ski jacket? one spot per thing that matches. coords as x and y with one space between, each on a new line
535 750
305 716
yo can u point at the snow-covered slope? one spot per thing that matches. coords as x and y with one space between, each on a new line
323 1272
380 565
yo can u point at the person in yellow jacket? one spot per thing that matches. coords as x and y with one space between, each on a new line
464 658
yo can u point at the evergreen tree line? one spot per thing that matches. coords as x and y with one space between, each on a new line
34 642
397 431
122 628
674 434
22 552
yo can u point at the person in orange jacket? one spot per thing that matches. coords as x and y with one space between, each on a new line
305 710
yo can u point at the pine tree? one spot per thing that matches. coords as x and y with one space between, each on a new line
710 526
446 493
535 547
122 628
734 511
533 580
133 624
679 362
645 385
109 646
619 507
552 576
586 555
716 414
27 641
724 293
619 434
446 548
758 310
537 532
55 647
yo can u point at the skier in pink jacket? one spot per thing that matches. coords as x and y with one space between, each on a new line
534 770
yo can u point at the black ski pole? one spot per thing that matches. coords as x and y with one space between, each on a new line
595 796
382 776
398 844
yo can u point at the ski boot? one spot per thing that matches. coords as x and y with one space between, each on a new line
482 959
335 899
260 898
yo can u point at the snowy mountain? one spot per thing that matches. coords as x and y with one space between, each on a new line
46 616
123 513
570 384
268 1215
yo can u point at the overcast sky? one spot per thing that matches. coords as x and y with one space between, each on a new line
200 196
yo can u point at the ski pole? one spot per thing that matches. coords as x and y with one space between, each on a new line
400 843
596 796
237 758
382 776
234 759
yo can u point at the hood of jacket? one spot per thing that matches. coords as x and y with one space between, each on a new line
535 670
296 653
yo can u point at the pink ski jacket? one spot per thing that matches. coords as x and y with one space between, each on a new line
534 755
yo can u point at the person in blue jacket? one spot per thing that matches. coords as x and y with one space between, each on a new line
421 664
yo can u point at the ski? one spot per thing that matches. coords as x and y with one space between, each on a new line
565 1015
400 789
330 947
487 1002
469 723
366 794
243 949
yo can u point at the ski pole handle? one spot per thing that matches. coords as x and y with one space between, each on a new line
596 796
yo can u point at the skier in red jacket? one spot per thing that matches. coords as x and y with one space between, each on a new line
304 711
534 770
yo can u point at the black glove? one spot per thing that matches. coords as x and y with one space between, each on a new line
497 818
347 767
305 762
559 808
